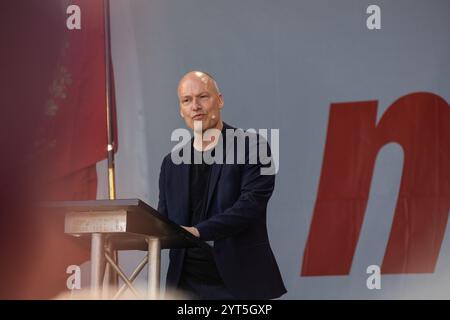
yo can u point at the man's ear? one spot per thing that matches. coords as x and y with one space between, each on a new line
181 113
221 101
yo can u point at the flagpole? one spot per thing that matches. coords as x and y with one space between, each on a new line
110 276
110 147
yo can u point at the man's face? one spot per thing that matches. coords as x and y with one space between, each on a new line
199 101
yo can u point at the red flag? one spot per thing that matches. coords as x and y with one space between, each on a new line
55 126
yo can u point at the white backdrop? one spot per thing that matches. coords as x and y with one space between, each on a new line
280 64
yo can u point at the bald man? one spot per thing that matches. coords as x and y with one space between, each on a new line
223 202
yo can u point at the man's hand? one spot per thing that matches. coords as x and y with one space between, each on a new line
192 230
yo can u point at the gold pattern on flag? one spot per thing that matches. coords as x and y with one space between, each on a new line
59 86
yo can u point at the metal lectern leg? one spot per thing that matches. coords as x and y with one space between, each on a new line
154 267
97 263
110 277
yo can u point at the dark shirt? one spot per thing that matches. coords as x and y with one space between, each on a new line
199 263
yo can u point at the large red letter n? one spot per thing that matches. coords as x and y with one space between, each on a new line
420 124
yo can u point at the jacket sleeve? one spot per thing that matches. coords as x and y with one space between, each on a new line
162 206
255 192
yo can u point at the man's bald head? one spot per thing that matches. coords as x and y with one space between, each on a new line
205 77
200 100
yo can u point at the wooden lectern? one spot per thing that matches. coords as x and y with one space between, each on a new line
125 224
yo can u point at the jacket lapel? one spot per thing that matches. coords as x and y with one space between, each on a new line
183 196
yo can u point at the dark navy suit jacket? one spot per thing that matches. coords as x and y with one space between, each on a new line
236 209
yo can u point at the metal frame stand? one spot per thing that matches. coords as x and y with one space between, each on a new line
101 258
